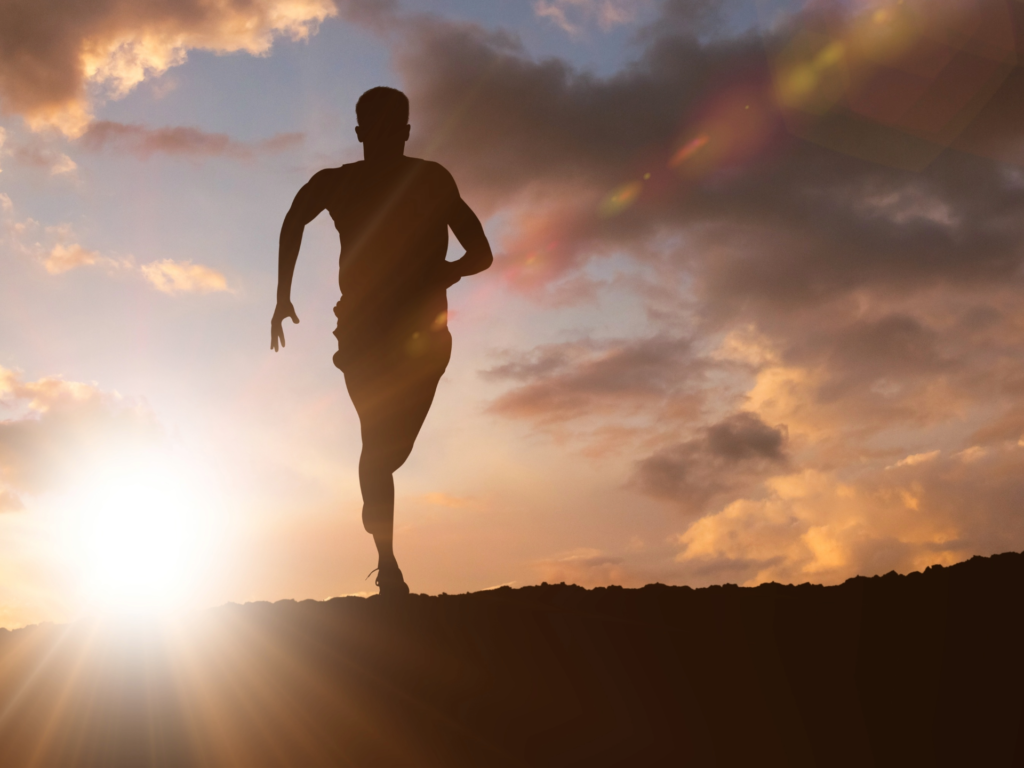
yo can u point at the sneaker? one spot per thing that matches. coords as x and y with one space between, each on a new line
390 582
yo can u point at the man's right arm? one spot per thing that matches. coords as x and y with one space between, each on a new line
307 205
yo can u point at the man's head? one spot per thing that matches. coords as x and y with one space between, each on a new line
383 116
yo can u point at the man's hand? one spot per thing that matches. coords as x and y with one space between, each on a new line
451 273
276 330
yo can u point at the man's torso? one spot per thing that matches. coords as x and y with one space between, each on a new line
393 225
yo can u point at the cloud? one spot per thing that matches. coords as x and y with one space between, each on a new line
173 277
744 437
62 258
571 380
727 459
36 154
832 277
691 140
17 234
817 526
65 254
144 142
56 56
573 16
63 165
62 430
917 458
586 567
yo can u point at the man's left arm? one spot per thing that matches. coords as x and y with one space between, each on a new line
470 233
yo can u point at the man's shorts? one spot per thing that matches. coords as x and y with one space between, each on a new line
400 353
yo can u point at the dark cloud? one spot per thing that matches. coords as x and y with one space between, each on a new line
142 141
1009 426
856 356
770 218
560 382
728 457
744 436
867 257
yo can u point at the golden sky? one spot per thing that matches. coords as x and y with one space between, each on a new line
755 312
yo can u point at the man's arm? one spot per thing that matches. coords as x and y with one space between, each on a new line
470 234
306 206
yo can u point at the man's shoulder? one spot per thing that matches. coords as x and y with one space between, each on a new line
326 183
328 174
434 173
430 166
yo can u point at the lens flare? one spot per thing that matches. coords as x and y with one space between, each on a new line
621 198
733 127
688 150
892 81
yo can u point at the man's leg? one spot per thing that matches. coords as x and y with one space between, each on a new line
390 416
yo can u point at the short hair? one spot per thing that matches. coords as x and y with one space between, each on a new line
382 107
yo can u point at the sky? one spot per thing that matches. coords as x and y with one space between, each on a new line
755 313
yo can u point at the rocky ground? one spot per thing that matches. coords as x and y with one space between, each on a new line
916 670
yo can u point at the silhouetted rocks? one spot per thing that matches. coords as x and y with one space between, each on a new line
915 670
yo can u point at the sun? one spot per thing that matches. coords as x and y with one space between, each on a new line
141 538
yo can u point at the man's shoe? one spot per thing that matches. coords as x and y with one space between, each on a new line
391 583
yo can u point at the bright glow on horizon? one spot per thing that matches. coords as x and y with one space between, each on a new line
142 539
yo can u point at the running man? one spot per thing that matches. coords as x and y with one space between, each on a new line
392 213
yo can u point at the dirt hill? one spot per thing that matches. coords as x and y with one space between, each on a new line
916 670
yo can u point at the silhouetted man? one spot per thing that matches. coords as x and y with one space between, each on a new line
392 213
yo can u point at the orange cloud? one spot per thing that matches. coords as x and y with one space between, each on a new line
916 458
817 526
586 567
59 428
573 16
167 275
65 257
144 142
173 277
54 56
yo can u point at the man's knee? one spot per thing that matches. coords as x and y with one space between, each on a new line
385 459
376 518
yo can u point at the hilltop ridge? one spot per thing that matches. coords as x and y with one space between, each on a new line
923 669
